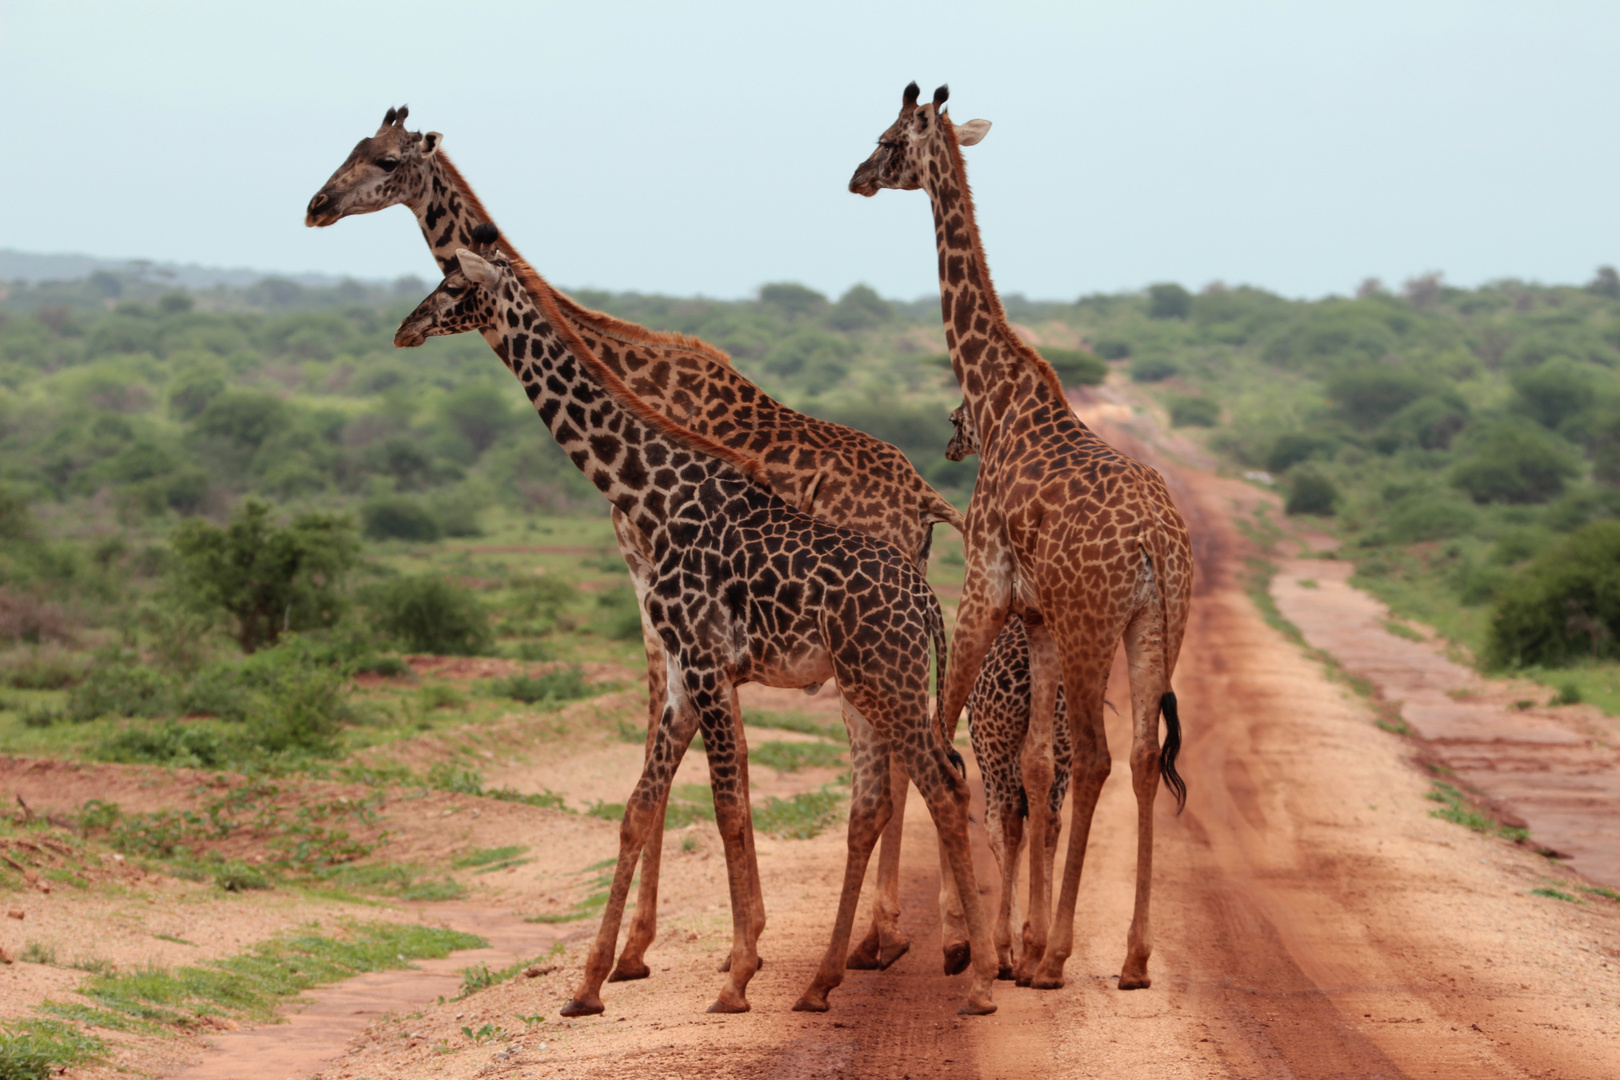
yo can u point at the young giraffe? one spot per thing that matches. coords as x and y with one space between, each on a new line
1081 542
744 587
998 722
827 470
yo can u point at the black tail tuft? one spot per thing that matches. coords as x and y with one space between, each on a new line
956 760
1172 747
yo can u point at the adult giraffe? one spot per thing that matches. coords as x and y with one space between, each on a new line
827 470
744 587
1081 542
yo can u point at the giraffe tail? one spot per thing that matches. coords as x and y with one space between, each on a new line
936 634
937 508
1167 701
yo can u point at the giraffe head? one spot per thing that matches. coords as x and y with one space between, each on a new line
914 141
385 169
466 299
965 440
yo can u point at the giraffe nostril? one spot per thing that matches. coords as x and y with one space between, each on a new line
319 201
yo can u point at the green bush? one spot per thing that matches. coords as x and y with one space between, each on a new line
1169 301
1555 391
396 517
1564 606
1311 493
201 746
117 689
1113 348
1430 422
430 615
1296 446
1194 412
1149 369
1367 396
1076 368
1427 515
623 613
1513 460
269 578
557 685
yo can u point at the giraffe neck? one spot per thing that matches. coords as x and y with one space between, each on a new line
998 373
642 462
446 209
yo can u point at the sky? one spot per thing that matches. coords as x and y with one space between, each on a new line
705 148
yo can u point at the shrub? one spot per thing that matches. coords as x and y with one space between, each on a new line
1427 516
1296 446
396 517
1113 348
1555 391
199 746
1311 493
557 685
430 615
1194 412
1513 460
1430 422
623 613
117 689
1564 606
1076 368
1369 395
268 577
1169 301
1147 369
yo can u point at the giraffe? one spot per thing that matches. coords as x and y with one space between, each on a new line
998 723
745 587
827 470
1083 544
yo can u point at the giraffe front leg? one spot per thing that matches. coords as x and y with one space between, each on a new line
947 796
884 943
644 925
871 803
650 793
728 777
1005 827
953 924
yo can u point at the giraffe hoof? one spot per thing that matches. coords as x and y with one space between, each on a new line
1004 973
971 1007
889 954
1135 982
807 1003
1046 982
577 1007
721 1005
629 970
957 957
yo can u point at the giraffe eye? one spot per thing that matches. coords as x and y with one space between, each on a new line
889 144
388 164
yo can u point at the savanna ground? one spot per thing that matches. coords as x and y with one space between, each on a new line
1335 901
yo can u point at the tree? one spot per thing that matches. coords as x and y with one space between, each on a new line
1605 283
1564 606
1169 301
792 299
268 578
480 413
1515 461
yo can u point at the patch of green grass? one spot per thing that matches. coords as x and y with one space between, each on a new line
1600 890
38 952
251 984
90 1016
799 818
550 689
176 940
804 725
1307 583
793 756
1457 809
434 890
38 1049
1553 894
1401 630
486 856
594 901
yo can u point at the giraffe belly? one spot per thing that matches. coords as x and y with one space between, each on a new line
802 668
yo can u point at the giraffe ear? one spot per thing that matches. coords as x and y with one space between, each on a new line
973 132
430 142
477 270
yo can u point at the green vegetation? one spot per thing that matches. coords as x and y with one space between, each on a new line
800 817
38 1049
1456 808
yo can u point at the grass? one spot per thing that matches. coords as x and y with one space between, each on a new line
1554 894
804 725
800 817
487 856
37 1049
594 901
1401 630
1457 809
793 756
253 983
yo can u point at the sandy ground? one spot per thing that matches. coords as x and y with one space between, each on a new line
1312 918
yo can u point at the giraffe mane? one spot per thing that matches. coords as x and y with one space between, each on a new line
998 314
542 294
571 308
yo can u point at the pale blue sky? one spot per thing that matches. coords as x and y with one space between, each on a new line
704 147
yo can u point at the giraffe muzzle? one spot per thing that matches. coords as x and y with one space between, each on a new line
320 212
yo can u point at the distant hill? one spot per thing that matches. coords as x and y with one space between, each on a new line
32 267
